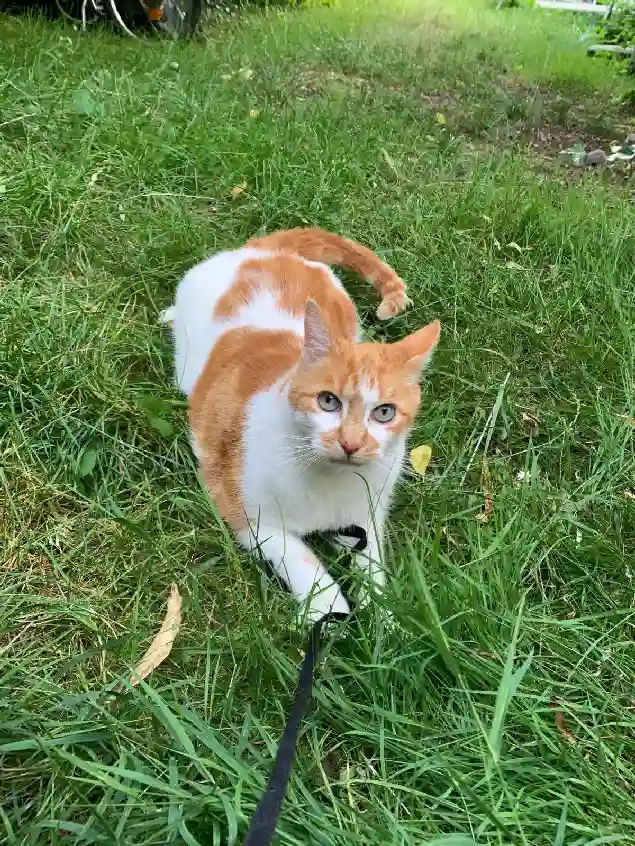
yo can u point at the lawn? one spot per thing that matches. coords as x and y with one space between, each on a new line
500 707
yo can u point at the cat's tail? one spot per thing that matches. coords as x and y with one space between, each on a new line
323 246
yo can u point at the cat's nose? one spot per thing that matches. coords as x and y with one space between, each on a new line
349 447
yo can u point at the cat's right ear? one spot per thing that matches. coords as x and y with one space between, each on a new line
317 340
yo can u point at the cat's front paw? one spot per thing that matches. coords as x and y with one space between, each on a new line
328 601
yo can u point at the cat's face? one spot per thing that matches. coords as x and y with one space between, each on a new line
351 400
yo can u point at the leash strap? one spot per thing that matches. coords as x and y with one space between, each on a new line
263 823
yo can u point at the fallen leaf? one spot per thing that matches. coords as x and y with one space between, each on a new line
488 505
530 418
570 736
629 420
629 494
161 646
449 537
441 118
245 73
254 113
163 427
420 458
515 246
237 190
84 103
87 463
486 485
389 161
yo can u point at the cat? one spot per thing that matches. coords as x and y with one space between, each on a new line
298 425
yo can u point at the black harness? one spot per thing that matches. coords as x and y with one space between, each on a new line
263 823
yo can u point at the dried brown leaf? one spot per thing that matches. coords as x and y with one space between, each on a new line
488 494
161 646
492 656
237 190
569 735
530 418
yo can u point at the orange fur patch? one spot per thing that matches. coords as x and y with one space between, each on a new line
291 282
217 406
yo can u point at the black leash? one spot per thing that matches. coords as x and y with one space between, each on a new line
263 823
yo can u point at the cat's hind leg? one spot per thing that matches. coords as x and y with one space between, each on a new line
300 569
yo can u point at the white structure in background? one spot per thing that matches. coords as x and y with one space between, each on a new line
591 7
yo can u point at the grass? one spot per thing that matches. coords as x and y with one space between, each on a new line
500 709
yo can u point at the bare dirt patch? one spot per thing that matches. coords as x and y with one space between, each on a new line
311 82
549 121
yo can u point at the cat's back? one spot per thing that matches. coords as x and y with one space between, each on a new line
256 290
194 329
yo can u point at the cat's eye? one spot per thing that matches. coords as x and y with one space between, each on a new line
328 401
384 413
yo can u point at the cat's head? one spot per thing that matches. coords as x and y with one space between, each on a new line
352 399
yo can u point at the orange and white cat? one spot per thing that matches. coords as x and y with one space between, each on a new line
299 425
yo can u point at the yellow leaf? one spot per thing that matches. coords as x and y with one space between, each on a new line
441 118
253 113
237 190
161 646
420 458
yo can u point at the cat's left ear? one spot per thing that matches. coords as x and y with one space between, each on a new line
416 350
317 340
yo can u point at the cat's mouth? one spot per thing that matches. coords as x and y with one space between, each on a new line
347 460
